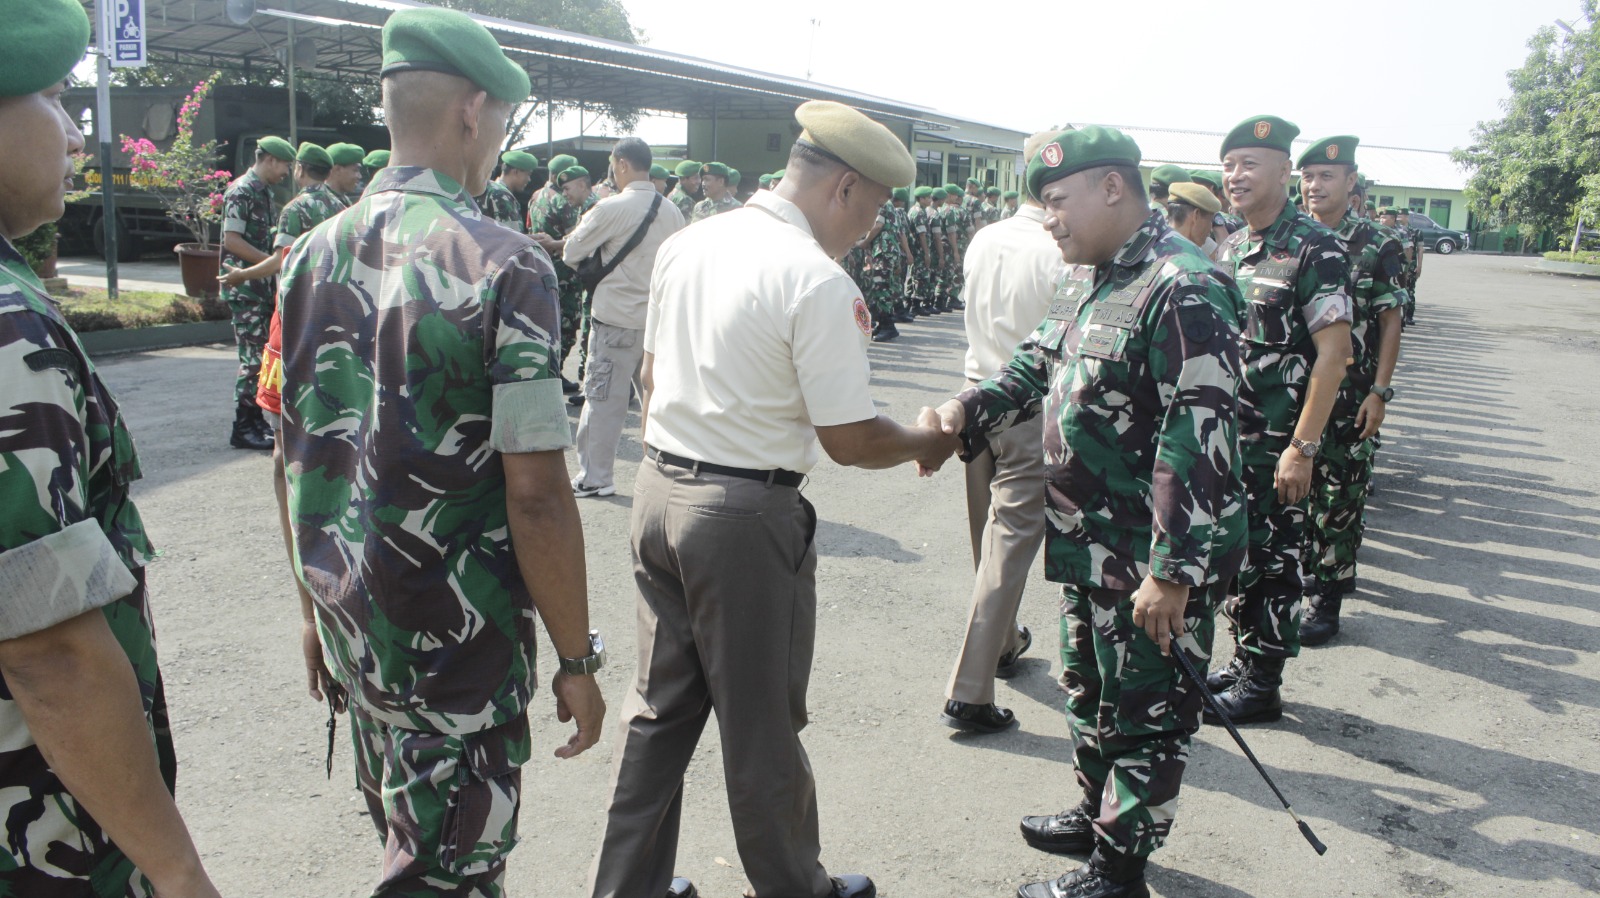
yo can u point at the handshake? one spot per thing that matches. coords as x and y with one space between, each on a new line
939 433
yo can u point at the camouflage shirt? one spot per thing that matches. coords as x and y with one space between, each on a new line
418 339
1377 265
1136 371
500 204
248 209
684 201
921 225
887 245
71 540
1295 277
557 218
315 205
709 207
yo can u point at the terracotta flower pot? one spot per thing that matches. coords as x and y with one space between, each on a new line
200 267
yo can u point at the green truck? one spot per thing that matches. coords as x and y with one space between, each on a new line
235 116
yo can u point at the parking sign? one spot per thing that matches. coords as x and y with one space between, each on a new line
124 26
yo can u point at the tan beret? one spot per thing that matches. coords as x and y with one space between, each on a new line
857 141
1195 195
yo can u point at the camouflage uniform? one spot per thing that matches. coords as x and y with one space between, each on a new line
404 380
886 277
709 207
314 205
684 201
1137 371
1295 277
247 210
70 538
558 218
901 277
500 204
922 284
1344 466
958 232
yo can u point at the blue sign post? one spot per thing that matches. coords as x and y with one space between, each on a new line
125 31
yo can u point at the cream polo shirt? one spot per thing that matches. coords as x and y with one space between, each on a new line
758 337
621 298
1012 270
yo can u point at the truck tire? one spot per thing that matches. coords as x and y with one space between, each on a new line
129 247
1445 246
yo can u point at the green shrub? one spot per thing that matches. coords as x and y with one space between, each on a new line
1583 258
38 246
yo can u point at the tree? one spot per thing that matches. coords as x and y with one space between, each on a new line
1538 166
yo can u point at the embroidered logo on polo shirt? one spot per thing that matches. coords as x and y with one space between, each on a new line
863 317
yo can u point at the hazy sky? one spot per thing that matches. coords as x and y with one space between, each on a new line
1405 73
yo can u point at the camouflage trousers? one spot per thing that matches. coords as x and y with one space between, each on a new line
883 291
1339 490
950 285
921 282
1132 711
573 302
1265 609
252 314
445 805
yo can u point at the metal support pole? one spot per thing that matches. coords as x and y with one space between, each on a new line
714 127
294 112
102 127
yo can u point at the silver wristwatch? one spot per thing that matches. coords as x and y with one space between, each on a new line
1309 450
596 659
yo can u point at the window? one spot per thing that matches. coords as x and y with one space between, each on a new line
1385 202
1416 205
960 169
930 167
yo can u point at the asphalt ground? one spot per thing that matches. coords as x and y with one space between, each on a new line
1444 745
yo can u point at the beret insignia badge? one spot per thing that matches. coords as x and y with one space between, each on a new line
1263 130
1333 151
1052 155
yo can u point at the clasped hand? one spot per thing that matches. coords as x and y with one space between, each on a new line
944 424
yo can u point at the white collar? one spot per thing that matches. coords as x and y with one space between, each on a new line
769 201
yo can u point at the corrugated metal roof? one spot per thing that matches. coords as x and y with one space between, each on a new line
1385 166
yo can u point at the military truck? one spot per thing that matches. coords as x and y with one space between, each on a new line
234 115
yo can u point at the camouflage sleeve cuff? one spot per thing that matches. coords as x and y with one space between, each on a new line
58 577
530 416
1175 570
973 440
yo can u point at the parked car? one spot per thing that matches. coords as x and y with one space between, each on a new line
1436 238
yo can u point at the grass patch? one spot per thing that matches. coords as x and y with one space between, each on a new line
1584 258
91 309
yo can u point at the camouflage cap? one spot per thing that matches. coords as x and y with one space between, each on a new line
659 173
1195 195
860 143
716 169
346 154
520 160
1074 151
444 40
1339 150
376 159
277 147
688 168
43 40
1169 174
1267 131
311 154
569 174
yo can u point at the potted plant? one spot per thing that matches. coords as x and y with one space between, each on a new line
185 177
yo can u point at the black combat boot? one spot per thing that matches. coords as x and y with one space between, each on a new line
1220 681
1069 832
245 434
1255 698
1107 875
1321 620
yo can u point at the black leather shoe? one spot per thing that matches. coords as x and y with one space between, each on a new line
1007 668
1256 697
681 888
1321 621
1069 832
886 332
853 885
904 318
245 435
1220 681
1106 875
568 387
990 718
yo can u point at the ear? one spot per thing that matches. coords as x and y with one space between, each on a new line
848 184
472 111
1114 187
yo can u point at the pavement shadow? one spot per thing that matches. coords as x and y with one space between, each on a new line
849 541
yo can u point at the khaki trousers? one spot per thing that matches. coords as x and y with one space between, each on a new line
615 357
726 573
1005 511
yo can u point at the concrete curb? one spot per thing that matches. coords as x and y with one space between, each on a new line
161 336
1569 269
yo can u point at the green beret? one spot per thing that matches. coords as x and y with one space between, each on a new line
42 42
1197 196
938 194
778 175
1009 195
376 159
444 40
951 188
1168 175
1212 179
569 174
902 194
865 146
992 191
1267 131
659 173
1339 150
311 154
923 191
519 160
765 180
974 182
734 177
717 169
1074 151
560 163
345 154
277 146
688 168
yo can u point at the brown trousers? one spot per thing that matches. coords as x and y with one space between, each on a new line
726 572
1005 511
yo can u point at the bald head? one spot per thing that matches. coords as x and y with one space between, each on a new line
446 123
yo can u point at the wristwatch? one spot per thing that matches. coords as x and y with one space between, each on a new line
1384 393
596 659
1309 450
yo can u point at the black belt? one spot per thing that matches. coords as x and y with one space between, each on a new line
775 476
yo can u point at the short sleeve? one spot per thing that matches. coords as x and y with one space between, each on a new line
1324 285
236 211
529 413
828 342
